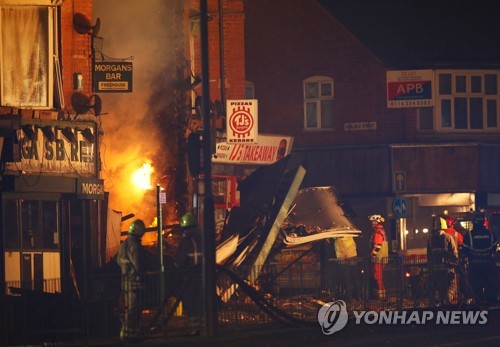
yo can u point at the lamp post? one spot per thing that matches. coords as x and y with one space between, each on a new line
160 198
208 234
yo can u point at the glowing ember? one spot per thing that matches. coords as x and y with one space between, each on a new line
142 176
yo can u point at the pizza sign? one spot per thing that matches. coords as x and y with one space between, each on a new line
241 121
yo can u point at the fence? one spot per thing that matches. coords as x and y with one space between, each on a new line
286 293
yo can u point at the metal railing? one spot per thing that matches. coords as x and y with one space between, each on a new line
284 293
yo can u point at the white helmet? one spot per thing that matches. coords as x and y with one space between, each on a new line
376 217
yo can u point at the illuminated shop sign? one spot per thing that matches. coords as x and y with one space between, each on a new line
268 150
241 121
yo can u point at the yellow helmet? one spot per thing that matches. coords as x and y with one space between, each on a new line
188 220
137 228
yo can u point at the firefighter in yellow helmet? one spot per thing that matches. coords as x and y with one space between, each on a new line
442 258
131 258
189 251
188 258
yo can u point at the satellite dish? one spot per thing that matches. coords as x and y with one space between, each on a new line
82 103
82 25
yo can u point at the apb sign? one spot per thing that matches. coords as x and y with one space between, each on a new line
113 77
241 121
409 88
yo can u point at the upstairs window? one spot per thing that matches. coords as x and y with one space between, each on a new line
468 100
318 103
249 90
26 60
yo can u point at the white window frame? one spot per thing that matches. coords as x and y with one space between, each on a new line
468 95
318 101
52 14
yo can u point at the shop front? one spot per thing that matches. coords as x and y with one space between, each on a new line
408 184
51 200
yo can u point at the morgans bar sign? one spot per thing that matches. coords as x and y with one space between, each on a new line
113 77
90 188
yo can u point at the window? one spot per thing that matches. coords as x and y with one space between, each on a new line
318 103
31 244
26 60
249 90
468 100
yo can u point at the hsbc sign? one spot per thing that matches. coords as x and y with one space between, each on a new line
409 88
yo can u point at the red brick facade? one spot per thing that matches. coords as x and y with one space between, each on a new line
288 41
233 43
76 48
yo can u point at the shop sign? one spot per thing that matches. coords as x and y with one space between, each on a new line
409 88
90 188
241 121
67 152
268 149
113 77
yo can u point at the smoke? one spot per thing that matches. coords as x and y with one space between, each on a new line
139 30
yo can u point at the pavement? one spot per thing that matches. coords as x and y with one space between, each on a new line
428 334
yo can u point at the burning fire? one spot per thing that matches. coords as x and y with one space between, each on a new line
142 176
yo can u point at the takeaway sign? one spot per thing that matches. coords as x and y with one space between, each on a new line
113 77
268 150
409 88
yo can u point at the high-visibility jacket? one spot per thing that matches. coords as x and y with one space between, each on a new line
459 238
378 241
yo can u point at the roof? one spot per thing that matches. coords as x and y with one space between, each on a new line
424 33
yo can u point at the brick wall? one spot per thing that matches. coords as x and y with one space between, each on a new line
288 41
76 48
234 54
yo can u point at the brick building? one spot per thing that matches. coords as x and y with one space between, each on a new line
51 191
384 152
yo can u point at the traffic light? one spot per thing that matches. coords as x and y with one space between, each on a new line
194 150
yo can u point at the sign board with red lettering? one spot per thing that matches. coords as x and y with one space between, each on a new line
268 150
410 88
241 121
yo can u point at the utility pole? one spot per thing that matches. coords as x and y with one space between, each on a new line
159 224
208 230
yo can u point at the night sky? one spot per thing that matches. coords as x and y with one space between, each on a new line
423 31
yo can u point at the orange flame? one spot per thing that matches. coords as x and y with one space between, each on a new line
142 176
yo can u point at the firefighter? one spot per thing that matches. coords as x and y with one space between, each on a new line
478 249
457 237
346 265
188 253
131 258
379 252
442 256
188 259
